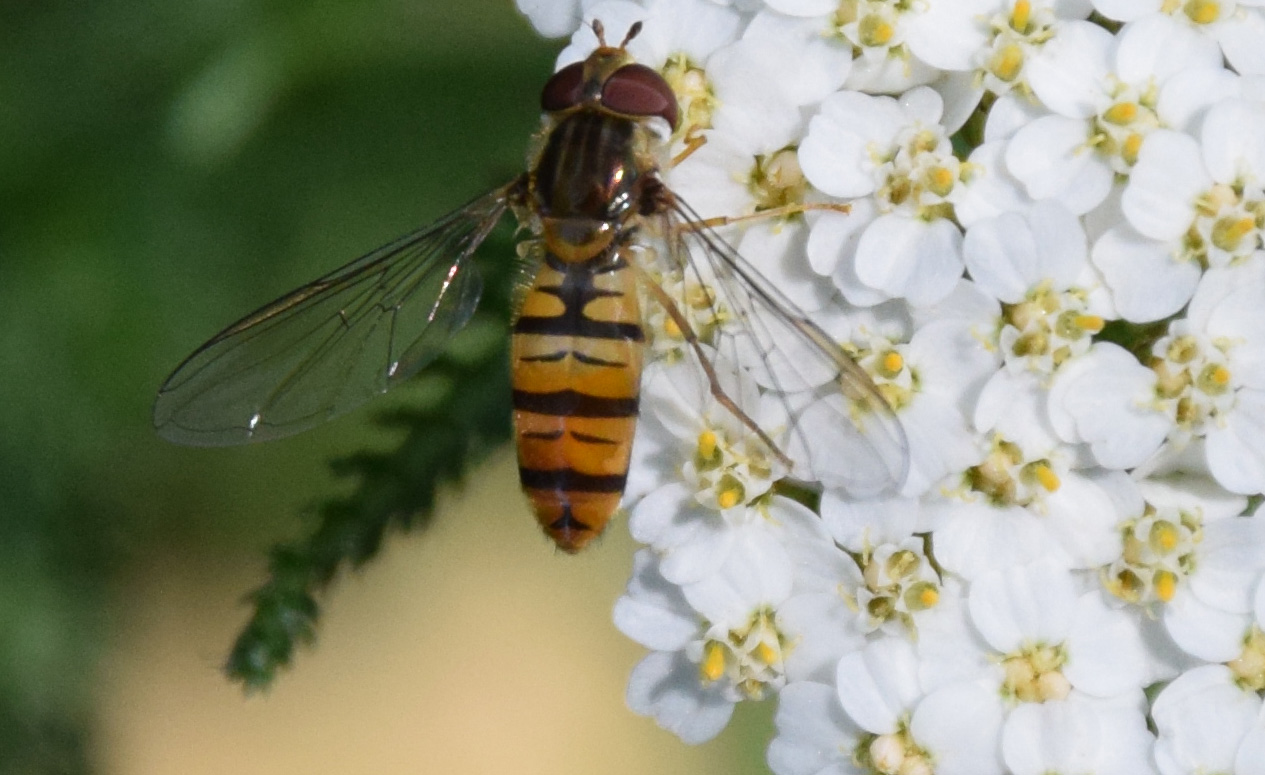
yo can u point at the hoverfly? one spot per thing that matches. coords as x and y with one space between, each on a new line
592 195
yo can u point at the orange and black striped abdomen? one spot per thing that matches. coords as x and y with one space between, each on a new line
576 358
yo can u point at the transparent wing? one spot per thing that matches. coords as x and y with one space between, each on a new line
840 430
332 344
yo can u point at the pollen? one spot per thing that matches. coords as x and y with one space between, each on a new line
694 94
922 596
888 753
892 364
713 665
1034 674
895 752
1183 349
1007 62
1046 477
767 654
902 564
1031 343
728 498
924 141
940 181
1090 323
1021 16
1228 233
1129 149
707 445
671 328
777 181
1213 379
1202 11
875 31
1164 537
1249 666
1126 585
1217 198
1165 585
1121 113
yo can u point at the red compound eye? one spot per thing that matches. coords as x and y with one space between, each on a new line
564 89
637 90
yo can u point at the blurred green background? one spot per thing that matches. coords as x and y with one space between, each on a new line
164 168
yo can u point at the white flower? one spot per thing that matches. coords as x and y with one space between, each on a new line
1203 385
1105 94
896 583
1237 26
1016 33
1077 734
715 643
888 41
928 367
667 684
1211 379
807 65
552 18
1251 752
757 171
704 445
815 736
696 540
692 29
1190 205
1189 551
1061 306
1037 265
1106 399
895 154
1052 640
1202 718
955 728
1027 498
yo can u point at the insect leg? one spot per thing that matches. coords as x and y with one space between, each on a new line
713 381
693 142
784 211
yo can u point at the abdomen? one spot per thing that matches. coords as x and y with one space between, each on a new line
576 371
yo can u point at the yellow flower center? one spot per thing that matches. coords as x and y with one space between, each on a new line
1020 16
1249 666
1007 62
875 31
1202 11
1035 674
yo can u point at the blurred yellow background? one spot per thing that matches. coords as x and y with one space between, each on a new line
475 648
165 168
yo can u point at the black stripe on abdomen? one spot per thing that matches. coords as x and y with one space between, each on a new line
571 403
579 326
570 480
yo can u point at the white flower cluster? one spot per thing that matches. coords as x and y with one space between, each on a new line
1053 269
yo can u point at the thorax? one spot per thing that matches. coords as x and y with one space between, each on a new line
586 180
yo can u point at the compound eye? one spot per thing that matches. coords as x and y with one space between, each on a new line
564 89
637 90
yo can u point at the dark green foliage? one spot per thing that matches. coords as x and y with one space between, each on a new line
166 168
47 743
1137 338
971 135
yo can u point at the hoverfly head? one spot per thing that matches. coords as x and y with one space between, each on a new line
609 78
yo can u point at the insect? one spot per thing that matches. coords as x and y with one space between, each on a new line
591 198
